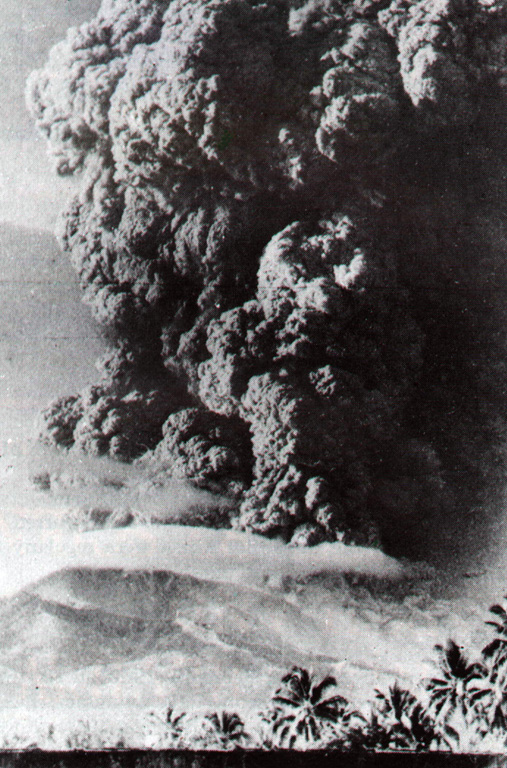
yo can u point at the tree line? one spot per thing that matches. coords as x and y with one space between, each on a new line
461 708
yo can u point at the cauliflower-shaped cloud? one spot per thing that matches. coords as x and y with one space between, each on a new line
275 198
71 97
448 51
121 416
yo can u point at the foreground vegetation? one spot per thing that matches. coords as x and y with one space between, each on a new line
461 708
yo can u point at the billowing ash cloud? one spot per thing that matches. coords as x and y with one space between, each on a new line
290 224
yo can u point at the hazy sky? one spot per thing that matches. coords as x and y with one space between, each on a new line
29 192
47 342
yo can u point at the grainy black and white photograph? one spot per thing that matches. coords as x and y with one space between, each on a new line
253 377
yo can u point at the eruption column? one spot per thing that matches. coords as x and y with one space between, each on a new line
290 226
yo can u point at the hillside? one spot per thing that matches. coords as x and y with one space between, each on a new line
114 638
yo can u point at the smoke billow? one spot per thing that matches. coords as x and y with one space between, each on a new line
290 223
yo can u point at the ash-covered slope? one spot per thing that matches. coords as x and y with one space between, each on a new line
291 223
111 637
108 637
146 637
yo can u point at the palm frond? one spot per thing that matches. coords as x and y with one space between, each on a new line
496 645
283 697
499 610
318 690
283 721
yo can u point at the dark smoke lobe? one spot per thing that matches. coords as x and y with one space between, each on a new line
291 224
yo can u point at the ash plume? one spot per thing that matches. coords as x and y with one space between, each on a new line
290 225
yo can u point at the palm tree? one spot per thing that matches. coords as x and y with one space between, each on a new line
405 721
397 720
489 693
498 646
168 731
423 732
224 730
450 693
370 733
395 703
306 711
265 737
